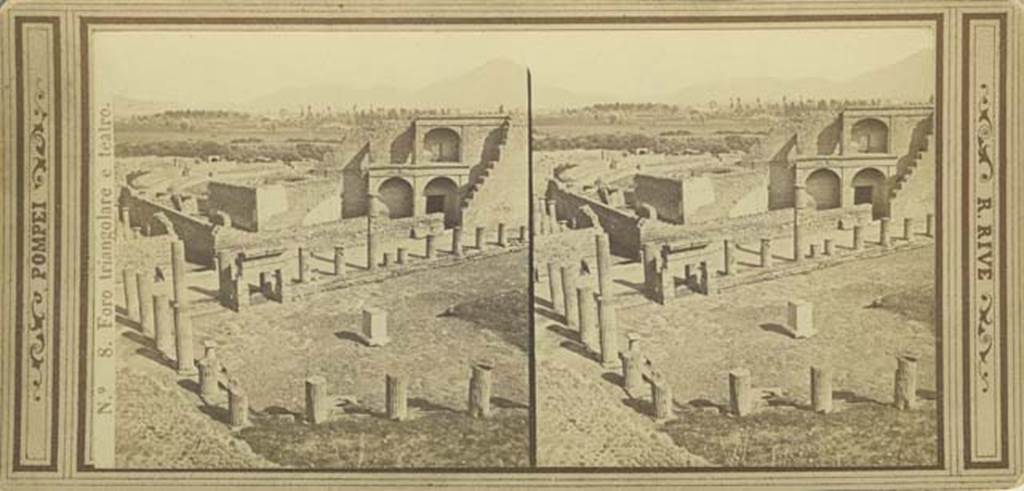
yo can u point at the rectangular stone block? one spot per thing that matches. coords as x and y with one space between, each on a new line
375 326
800 318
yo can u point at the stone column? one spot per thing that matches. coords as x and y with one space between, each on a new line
178 270
428 242
131 294
303 265
905 386
604 265
766 252
652 258
372 245
317 400
589 335
665 288
821 389
339 261
661 397
457 241
813 251
572 308
208 380
387 261
501 235
908 228
400 256
480 231
480 391
395 395
798 244
238 406
827 250
884 238
522 234
279 287
163 325
552 217
144 280
632 374
540 217
705 278
729 257
126 222
929 225
186 362
607 319
740 399
555 289
858 237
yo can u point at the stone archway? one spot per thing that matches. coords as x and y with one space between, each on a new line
825 187
869 186
397 195
442 145
442 195
870 136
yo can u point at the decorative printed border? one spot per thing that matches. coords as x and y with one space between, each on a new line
38 274
986 444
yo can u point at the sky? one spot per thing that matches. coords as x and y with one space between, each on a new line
211 67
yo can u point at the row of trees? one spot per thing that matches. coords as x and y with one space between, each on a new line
659 144
240 152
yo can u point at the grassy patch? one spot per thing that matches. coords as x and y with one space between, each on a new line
439 439
864 435
916 304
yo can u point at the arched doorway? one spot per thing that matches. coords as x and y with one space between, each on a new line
442 195
396 194
871 136
442 145
824 186
869 187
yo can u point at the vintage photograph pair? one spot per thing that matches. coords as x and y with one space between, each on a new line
479 245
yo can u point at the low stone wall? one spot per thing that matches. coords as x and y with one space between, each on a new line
623 228
199 236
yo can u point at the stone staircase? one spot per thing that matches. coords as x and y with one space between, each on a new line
492 195
912 189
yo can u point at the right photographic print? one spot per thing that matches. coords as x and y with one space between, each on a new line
735 248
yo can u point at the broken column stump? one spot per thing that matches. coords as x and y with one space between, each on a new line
632 371
144 281
729 257
555 288
318 408
209 387
401 256
238 406
800 318
429 248
375 326
163 325
572 308
607 319
661 396
339 261
827 249
522 234
387 261
741 401
502 240
457 240
905 385
929 225
604 265
589 335
480 391
303 265
480 239
858 237
884 237
396 389
766 252
908 228
131 294
185 354
821 389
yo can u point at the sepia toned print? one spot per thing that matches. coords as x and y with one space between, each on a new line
741 272
610 244
331 274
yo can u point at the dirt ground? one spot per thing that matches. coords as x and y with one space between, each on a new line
696 340
272 348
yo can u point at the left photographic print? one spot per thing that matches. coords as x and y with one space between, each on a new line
319 250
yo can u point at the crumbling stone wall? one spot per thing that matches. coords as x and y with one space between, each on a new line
665 194
623 228
238 201
198 235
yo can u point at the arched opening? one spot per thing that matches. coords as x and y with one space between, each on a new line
871 136
442 145
442 195
824 186
869 187
396 194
